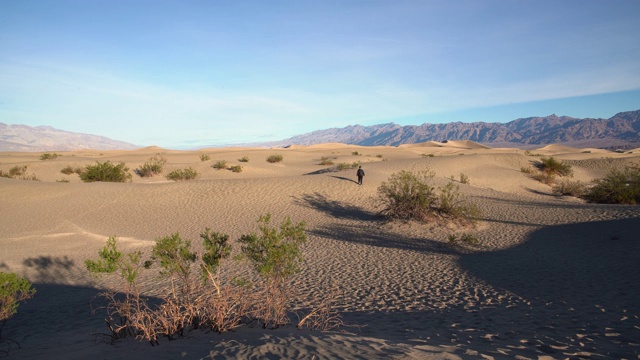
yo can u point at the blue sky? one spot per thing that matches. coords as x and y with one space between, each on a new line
183 74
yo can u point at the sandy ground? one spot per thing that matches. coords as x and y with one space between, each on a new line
554 277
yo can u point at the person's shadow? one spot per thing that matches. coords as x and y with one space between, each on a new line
344 178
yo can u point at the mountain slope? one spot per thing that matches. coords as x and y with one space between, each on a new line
621 130
46 138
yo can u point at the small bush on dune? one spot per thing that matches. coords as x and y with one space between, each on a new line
219 165
182 174
275 158
244 159
204 157
13 290
48 156
571 188
617 187
407 195
325 161
553 167
106 171
235 168
275 255
152 167
19 173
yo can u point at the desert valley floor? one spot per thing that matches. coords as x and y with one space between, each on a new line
553 277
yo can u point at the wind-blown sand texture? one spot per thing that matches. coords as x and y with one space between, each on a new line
554 277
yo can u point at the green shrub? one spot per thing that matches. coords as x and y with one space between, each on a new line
106 171
68 170
617 187
356 153
152 167
182 174
469 239
343 166
451 202
464 179
571 188
274 158
220 164
175 258
407 195
428 155
244 159
13 290
17 171
204 157
235 168
553 167
379 156
526 170
47 156
325 161
275 255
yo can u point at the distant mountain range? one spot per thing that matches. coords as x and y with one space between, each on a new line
619 131
46 138
622 131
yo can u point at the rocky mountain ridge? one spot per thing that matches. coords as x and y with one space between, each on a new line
47 138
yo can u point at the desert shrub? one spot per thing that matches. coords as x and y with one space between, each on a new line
428 155
152 167
182 174
48 156
529 153
324 316
453 203
204 157
343 166
407 195
553 167
276 158
356 153
325 161
175 258
19 173
106 171
68 170
244 159
275 255
469 239
527 170
619 186
379 156
124 316
220 164
13 290
464 179
572 188
63 180
543 177
235 168
466 238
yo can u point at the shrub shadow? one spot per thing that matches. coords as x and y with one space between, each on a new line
336 209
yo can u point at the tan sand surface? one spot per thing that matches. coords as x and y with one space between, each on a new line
554 277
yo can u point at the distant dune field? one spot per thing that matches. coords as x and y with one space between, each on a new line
553 277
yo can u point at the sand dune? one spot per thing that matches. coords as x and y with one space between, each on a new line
553 277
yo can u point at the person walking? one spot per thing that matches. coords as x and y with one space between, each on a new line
360 174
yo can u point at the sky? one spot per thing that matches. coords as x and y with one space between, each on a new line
189 74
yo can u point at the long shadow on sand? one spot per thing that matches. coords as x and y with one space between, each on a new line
336 209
